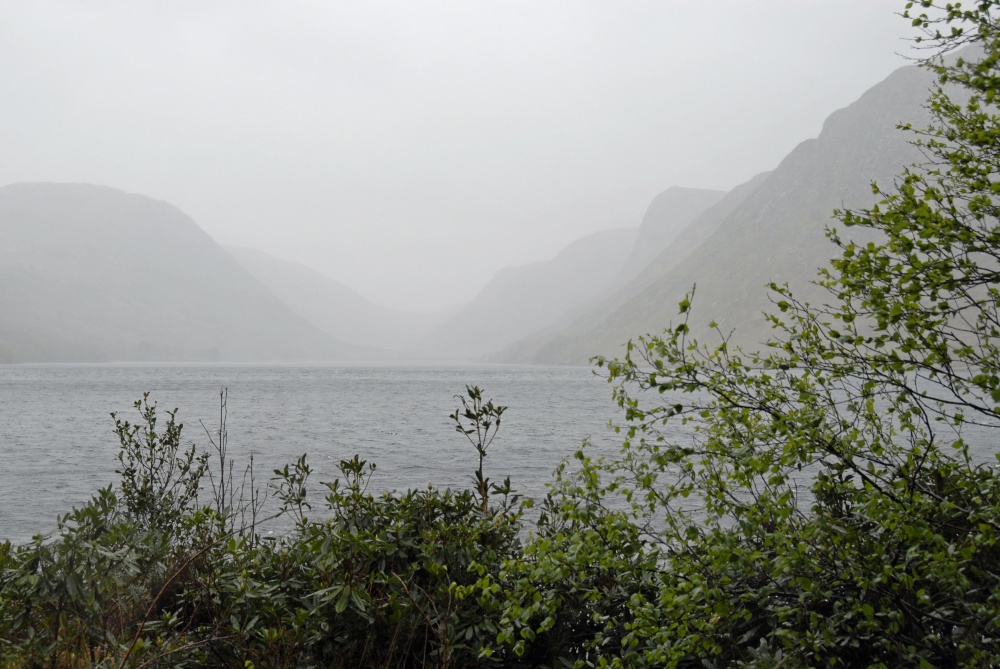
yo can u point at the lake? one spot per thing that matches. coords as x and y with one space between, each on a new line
57 441
58 446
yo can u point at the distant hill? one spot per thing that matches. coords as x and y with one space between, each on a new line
532 300
560 345
524 299
690 239
774 233
90 273
336 308
667 216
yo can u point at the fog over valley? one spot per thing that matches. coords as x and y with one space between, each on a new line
512 182
412 150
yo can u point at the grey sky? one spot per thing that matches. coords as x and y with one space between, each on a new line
411 149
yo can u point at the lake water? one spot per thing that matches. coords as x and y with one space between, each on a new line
57 441
57 444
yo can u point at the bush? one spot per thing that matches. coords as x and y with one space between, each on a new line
145 575
83 594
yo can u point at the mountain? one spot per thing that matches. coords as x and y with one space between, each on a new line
522 299
90 273
774 233
531 300
667 216
688 240
559 344
334 307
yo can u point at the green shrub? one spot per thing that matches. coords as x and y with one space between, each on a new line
146 576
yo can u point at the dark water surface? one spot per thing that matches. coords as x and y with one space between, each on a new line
57 444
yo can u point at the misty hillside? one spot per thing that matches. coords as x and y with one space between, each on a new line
523 299
666 224
685 243
667 216
90 273
775 234
334 307
558 341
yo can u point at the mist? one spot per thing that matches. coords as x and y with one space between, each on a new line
412 150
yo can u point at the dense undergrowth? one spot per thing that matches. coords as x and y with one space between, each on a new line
821 507
145 575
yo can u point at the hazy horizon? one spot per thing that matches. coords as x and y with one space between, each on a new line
411 150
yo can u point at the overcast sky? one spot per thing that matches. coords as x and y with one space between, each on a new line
410 149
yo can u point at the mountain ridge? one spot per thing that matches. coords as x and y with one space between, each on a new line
669 213
775 234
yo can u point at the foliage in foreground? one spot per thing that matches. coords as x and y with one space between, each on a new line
145 576
813 504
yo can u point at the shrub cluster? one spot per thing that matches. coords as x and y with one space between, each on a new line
144 575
